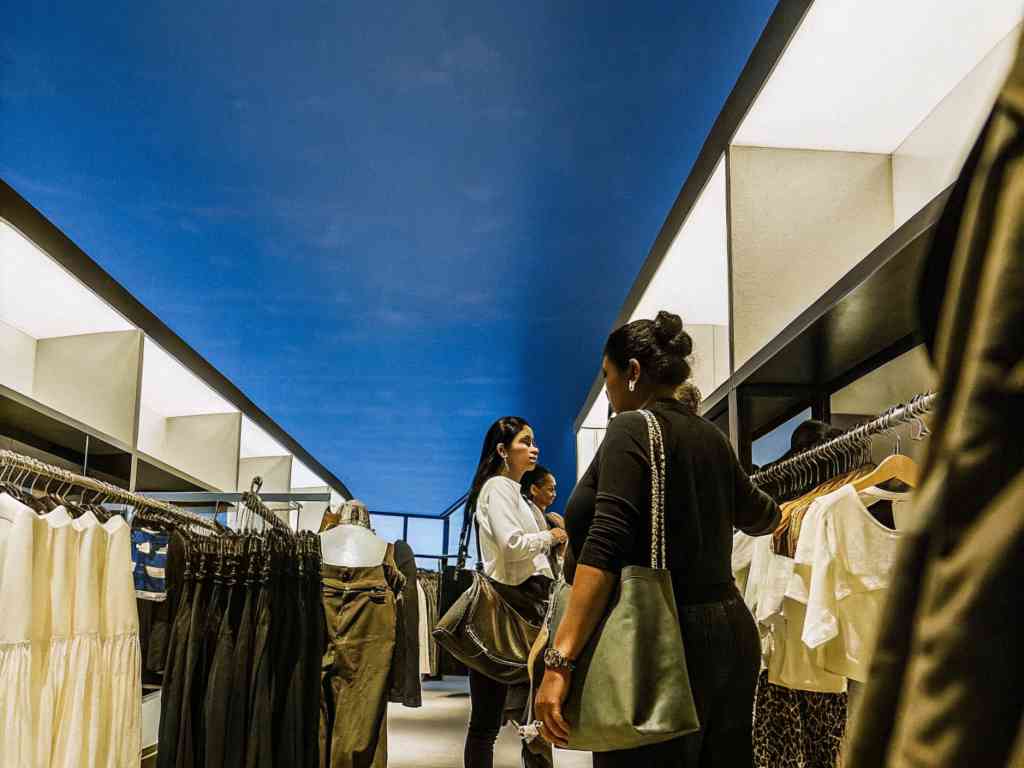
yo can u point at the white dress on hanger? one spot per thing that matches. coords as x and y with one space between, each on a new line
54 564
16 719
76 652
120 653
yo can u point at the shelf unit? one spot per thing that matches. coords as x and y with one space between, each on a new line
93 380
838 145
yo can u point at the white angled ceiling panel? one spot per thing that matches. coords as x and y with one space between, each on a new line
693 278
303 477
860 75
170 389
41 299
256 442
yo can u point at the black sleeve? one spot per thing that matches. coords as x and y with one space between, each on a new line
623 489
757 513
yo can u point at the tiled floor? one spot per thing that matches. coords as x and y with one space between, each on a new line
432 736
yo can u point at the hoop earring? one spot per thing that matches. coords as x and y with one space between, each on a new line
632 385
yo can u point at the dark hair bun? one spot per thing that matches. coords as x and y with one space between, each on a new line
661 346
669 333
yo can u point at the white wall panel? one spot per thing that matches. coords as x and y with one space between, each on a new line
931 157
801 219
312 512
276 472
256 442
205 446
170 389
18 358
303 476
92 378
588 440
693 278
710 367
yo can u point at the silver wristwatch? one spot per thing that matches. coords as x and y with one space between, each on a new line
555 659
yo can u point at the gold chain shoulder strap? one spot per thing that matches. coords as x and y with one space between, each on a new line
659 559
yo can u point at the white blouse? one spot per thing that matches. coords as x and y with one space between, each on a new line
514 539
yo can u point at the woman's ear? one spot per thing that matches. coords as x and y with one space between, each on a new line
634 370
500 450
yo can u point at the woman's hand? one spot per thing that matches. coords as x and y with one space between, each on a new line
554 689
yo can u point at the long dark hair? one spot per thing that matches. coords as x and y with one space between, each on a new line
503 431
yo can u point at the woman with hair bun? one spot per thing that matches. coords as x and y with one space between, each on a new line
707 494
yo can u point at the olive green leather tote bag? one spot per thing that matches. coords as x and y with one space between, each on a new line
631 687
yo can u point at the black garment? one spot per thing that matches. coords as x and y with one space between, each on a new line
487 698
723 654
259 751
239 702
405 668
222 669
707 495
490 699
175 677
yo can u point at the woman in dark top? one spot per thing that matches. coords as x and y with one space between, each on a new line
608 520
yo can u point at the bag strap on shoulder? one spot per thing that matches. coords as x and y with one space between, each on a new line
659 559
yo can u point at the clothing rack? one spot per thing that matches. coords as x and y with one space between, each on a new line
251 501
26 466
855 438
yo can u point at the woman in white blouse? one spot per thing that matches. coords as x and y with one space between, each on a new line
514 543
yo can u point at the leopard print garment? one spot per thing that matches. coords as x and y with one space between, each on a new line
797 729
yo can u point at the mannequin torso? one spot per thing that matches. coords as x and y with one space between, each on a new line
353 546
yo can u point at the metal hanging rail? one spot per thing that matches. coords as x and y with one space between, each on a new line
214 497
885 422
30 466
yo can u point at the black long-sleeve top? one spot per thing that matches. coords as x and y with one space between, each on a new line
707 494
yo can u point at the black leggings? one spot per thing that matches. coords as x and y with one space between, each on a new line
488 703
722 655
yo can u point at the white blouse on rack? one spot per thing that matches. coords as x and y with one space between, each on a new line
851 557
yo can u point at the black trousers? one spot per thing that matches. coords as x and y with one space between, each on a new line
487 697
723 654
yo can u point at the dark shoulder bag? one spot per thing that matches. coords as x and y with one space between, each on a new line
489 628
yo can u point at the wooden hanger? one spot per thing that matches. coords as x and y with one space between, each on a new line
896 467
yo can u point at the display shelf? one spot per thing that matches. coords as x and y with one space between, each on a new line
842 134
863 321
57 435
152 474
37 256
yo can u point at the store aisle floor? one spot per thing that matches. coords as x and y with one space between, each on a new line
432 736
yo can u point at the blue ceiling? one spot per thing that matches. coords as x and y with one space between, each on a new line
387 223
